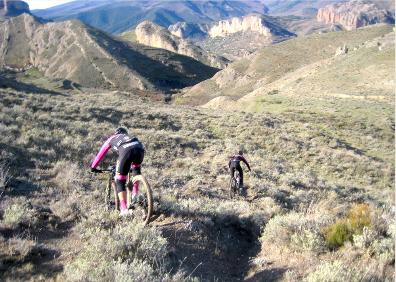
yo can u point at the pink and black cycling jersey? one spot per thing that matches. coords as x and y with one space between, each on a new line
122 144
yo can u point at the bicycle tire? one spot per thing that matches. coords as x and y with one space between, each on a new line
107 194
232 187
111 189
143 186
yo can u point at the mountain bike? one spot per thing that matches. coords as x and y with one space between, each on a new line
141 205
235 184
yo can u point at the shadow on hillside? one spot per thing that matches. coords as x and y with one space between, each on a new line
22 187
40 258
6 82
167 72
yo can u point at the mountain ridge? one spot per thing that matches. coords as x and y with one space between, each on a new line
74 51
117 17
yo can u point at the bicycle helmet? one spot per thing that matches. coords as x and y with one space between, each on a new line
121 130
240 152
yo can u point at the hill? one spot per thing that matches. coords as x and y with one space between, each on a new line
73 51
119 16
302 58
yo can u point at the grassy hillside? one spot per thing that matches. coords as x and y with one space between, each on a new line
320 199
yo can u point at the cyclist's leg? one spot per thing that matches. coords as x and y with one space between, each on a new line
239 168
122 169
137 159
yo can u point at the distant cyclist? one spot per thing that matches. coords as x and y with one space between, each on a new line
130 155
235 164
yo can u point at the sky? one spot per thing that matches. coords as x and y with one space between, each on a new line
43 4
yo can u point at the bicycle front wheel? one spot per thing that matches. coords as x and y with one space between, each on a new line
143 201
111 197
232 188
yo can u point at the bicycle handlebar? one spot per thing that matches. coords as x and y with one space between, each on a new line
109 169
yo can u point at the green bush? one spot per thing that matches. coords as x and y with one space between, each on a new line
344 229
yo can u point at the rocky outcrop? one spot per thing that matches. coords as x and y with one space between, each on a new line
354 14
151 34
251 23
12 8
73 51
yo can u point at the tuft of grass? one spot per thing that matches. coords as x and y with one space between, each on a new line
19 214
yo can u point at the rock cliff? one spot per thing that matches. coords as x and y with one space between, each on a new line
151 34
354 14
251 23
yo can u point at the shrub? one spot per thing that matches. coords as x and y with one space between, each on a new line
334 271
344 229
384 250
16 250
19 248
365 239
308 240
295 230
129 245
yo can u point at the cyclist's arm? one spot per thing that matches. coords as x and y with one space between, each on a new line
102 152
246 163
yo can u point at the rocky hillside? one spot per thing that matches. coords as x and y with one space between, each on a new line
354 14
119 16
151 34
307 65
235 37
12 8
73 51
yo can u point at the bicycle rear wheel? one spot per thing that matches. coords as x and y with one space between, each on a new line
143 203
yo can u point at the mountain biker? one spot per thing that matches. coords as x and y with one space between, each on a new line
235 164
130 155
